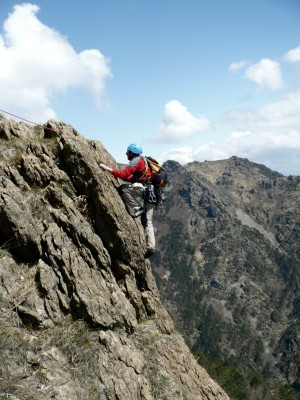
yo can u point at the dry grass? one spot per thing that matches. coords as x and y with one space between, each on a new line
163 386
25 379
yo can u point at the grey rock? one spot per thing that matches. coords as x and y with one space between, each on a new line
80 313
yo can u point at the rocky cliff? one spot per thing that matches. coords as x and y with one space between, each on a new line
228 270
80 314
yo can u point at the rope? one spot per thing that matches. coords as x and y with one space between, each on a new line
35 123
27 120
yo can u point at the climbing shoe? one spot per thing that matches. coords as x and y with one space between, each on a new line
149 253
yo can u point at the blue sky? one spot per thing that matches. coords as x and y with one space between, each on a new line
188 80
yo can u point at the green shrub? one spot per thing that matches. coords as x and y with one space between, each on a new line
227 376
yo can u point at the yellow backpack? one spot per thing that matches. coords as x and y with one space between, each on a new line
158 174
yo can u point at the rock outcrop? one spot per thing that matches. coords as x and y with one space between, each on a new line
80 313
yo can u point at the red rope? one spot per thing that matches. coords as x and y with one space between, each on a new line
27 120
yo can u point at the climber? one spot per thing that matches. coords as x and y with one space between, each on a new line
137 173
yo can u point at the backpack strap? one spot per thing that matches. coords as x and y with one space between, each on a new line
145 172
142 178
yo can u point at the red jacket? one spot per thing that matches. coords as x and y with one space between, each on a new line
136 171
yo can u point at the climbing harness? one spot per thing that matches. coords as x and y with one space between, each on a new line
151 194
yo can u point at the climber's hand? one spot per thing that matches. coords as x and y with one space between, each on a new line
105 167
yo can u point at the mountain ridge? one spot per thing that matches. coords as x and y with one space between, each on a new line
233 287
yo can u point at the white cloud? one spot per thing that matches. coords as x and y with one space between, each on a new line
37 62
283 114
238 134
209 151
293 55
270 136
183 155
237 66
178 123
266 73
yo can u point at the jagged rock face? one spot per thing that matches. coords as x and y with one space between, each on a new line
80 314
228 265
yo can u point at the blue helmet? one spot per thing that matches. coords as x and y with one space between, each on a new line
135 148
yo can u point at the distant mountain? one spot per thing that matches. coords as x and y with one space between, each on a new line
228 271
